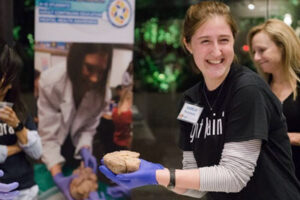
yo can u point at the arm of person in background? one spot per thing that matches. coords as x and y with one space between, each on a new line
28 140
235 169
294 138
8 150
84 147
6 190
49 125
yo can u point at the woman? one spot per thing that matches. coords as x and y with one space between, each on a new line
122 118
233 134
71 100
275 50
18 136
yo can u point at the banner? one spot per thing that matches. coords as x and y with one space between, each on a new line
97 21
81 47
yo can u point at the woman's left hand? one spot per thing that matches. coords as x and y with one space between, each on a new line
8 115
145 175
294 138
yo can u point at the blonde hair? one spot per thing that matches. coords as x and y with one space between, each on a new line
286 39
126 95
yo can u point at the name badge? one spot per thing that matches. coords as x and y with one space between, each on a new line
190 113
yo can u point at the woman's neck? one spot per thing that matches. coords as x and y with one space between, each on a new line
213 84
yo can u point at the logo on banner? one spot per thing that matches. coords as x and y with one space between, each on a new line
119 13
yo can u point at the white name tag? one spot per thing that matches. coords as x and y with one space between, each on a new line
190 113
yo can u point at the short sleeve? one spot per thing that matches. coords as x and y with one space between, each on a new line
248 116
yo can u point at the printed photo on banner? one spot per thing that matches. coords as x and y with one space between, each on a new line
72 80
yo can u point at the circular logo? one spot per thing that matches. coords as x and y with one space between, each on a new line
119 13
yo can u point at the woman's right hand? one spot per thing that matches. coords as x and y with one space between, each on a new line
6 190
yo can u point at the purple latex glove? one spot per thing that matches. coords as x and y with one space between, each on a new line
118 191
63 183
89 159
94 196
6 189
146 175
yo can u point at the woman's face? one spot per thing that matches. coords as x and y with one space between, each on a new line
212 49
94 67
266 54
4 90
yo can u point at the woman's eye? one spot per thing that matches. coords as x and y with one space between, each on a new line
204 41
225 40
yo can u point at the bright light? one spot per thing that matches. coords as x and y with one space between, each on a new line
288 19
251 6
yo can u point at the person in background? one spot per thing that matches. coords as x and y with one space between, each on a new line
127 79
122 118
232 131
274 48
118 93
18 136
71 101
6 190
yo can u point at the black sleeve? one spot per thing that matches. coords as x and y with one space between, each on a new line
248 116
29 123
185 129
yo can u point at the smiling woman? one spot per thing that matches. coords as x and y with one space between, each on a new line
275 51
228 153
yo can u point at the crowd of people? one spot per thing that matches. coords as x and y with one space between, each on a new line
239 134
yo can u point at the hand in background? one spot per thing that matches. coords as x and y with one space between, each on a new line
63 183
8 115
118 191
294 138
6 189
146 175
94 196
89 159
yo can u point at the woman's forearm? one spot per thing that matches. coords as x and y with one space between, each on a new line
22 136
184 179
13 149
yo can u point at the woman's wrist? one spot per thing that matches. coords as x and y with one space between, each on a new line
163 177
55 169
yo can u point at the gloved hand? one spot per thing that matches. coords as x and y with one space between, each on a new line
89 159
118 191
146 175
94 196
63 183
5 189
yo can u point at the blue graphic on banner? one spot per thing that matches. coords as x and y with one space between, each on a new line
119 12
87 12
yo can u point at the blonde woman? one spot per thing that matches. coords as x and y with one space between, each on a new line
122 118
275 51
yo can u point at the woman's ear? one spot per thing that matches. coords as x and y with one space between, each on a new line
187 46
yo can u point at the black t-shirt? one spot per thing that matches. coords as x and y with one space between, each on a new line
243 108
291 110
16 167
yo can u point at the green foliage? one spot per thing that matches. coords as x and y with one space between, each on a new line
161 59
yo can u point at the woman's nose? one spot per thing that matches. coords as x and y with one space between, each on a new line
93 78
256 57
216 50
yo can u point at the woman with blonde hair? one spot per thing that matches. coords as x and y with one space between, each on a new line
122 118
274 48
